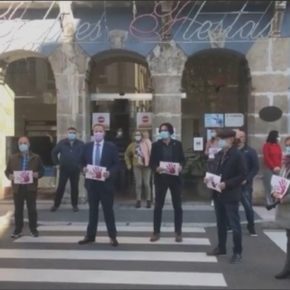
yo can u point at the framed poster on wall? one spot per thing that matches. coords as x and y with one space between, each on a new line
234 120
213 120
101 118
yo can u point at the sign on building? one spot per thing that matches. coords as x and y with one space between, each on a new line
213 120
101 118
234 120
144 120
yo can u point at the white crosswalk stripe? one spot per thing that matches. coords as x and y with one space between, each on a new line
146 264
278 237
104 239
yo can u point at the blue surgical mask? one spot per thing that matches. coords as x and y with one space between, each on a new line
222 143
287 150
71 136
164 134
23 148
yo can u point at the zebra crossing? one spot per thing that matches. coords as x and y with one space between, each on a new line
56 258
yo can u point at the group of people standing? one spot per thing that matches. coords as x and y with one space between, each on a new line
73 156
229 157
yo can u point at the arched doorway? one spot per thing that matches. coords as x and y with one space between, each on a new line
120 92
32 80
217 84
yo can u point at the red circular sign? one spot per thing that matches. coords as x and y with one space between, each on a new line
145 119
101 119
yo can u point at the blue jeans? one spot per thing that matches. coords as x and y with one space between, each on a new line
228 211
247 204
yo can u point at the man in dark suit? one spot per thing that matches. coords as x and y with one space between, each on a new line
168 150
230 165
104 154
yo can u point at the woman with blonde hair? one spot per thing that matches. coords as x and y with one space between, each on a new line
137 156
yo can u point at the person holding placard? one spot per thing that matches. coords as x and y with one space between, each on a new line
101 164
24 169
283 210
230 166
166 161
137 157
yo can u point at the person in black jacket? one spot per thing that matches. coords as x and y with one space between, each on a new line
252 163
67 154
168 150
230 165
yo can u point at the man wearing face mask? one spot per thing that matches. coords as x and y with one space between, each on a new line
230 165
67 154
25 160
168 150
252 163
104 154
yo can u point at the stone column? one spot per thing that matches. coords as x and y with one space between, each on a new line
166 64
69 65
269 64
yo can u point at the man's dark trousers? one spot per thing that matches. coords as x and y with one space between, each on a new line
20 197
73 176
228 211
96 194
162 183
246 201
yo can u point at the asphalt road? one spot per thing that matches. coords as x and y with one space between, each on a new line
56 261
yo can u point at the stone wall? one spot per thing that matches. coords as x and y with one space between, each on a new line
269 62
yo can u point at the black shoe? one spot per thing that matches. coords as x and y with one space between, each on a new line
252 231
35 234
138 204
148 204
114 242
75 209
236 259
54 208
154 237
283 275
16 235
86 241
178 238
216 252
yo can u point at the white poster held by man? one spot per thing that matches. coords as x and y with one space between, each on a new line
171 168
279 185
95 172
213 181
23 177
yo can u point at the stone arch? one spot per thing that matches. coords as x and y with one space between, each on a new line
30 76
109 57
217 81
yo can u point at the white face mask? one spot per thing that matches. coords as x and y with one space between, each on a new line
278 139
138 138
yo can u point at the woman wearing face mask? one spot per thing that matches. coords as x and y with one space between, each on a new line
137 156
272 157
283 211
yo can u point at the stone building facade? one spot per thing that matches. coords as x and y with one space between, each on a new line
82 30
